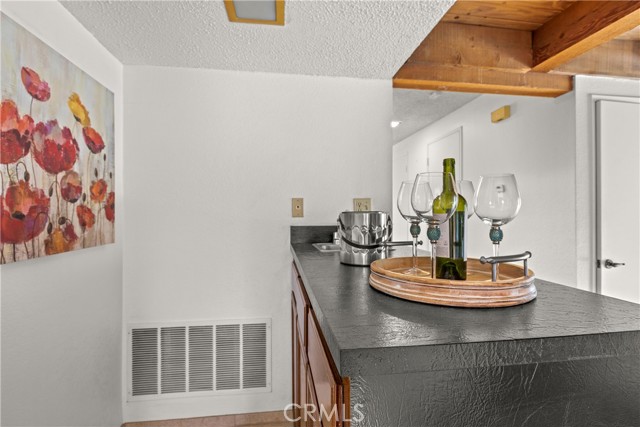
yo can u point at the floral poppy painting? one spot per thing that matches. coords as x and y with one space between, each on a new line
56 152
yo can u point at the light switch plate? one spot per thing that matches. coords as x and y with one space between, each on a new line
362 204
297 207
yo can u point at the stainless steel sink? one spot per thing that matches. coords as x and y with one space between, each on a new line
326 247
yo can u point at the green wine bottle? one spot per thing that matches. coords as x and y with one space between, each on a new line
451 254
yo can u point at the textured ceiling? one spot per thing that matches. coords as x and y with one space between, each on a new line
362 39
419 108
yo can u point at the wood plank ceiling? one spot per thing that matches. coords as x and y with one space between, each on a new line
525 47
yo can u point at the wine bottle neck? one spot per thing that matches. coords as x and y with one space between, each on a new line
449 166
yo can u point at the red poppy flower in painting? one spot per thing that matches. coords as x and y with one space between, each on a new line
86 218
93 140
110 207
54 149
71 186
16 133
36 87
98 190
24 213
69 232
78 110
60 240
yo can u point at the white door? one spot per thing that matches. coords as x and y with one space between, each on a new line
400 173
448 146
618 235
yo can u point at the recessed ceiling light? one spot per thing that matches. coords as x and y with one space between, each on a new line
269 12
395 123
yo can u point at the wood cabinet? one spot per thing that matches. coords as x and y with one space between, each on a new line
320 394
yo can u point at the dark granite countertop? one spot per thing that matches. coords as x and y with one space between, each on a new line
368 331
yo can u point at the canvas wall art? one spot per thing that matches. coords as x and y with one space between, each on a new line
56 152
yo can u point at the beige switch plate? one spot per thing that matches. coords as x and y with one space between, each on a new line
297 207
362 204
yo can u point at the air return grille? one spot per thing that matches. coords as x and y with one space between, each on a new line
200 358
227 357
214 357
144 352
253 335
173 367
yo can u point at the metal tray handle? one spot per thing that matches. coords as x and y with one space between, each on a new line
494 261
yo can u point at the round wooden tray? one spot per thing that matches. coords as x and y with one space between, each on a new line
512 288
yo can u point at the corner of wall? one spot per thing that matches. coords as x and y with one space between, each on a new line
62 315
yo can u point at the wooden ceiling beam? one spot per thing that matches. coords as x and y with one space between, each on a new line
521 15
579 28
473 58
617 57
481 80
475 46
459 55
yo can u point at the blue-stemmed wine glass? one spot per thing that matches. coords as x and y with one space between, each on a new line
497 203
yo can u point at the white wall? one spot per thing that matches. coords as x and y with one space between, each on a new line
62 315
588 89
213 159
537 144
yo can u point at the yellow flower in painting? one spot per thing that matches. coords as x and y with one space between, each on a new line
77 109
60 240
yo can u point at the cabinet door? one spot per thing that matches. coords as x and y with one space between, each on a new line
296 349
302 302
320 395
326 380
311 412
304 385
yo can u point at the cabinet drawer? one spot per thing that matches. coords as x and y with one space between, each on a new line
301 301
326 380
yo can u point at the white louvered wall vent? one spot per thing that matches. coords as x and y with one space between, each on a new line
196 359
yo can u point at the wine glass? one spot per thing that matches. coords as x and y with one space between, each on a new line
466 190
497 202
407 212
434 199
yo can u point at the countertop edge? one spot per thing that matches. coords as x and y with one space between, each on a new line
471 355
388 360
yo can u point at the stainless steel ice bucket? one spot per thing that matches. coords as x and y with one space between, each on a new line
363 236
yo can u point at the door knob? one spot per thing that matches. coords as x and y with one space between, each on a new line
610 264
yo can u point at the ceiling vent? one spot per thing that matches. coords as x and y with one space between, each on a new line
195 359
